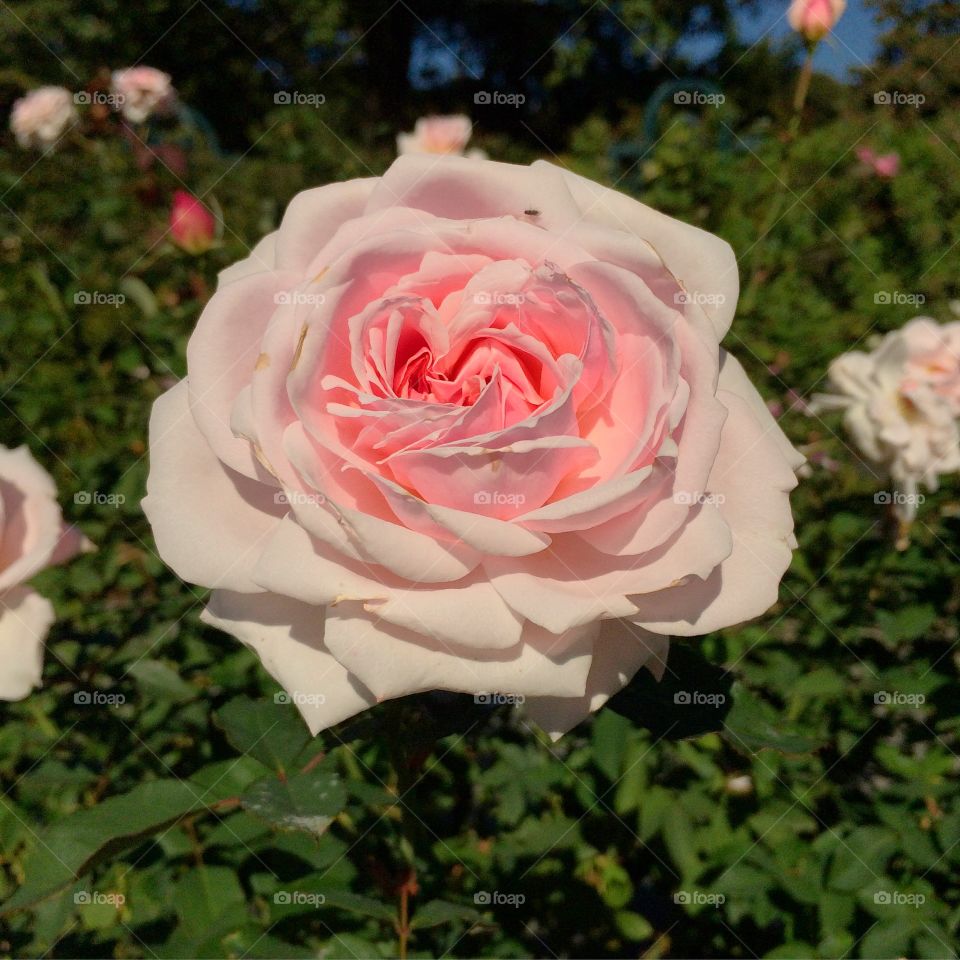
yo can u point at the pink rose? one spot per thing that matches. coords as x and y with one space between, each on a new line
40 119
885 165
448 135
192 225
468 426
32 537
142 91
900 402
814 19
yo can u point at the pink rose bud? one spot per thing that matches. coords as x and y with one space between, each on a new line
815 18
191 224
887 165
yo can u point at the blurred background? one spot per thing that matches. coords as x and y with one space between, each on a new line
826 822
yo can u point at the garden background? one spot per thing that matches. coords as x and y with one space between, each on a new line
822 821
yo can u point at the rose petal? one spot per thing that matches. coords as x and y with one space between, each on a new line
210 523
25 620
287 636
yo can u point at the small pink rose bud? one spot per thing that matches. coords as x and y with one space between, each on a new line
814 19
191 224
887 165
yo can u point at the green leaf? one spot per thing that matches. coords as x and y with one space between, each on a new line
435 913
753 726
206 897
271 732
355 903
610 739
692 699
159 681
69 848
308 801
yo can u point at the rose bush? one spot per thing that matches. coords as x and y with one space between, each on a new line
32 537
468 426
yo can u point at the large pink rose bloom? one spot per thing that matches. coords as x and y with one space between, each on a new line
32 537
468 427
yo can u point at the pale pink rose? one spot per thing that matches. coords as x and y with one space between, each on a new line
468 426
141 92
40 119
885 165
814 19
933 357
900 406
32 537
192 225
444 135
